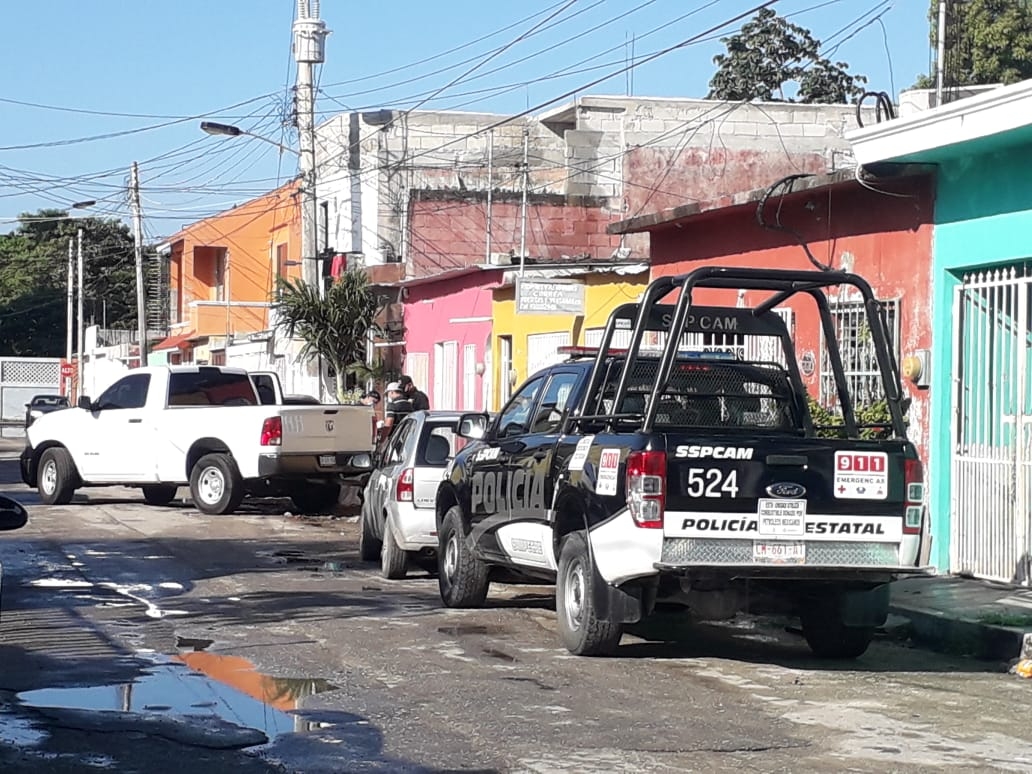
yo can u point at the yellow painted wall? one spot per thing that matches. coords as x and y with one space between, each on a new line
251 233
602 293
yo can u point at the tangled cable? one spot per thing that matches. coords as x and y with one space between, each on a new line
785 183
883 108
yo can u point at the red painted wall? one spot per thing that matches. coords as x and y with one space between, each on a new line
885 239
447 234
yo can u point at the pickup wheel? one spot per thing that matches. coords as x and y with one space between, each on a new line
393 558
462 578
581 631
215 484
369 546
159 494
56 477
316 498
828 637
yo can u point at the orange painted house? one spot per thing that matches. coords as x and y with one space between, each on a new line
223 272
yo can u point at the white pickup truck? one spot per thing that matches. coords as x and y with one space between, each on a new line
163 427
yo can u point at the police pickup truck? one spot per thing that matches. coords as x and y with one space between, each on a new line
670 472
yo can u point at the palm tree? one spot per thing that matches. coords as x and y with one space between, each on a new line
335 326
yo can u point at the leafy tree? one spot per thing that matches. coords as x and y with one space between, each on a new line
335 326
769 53
33 279
987 41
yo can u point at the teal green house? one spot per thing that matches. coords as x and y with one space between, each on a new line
979 473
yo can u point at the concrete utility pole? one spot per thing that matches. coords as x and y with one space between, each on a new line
523 207
70 326
309 50
81 344
940 54
490 185
141 306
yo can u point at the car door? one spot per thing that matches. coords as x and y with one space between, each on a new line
116 446
489 469
527 536
392 463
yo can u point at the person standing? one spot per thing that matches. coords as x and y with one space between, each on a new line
420 401
398 405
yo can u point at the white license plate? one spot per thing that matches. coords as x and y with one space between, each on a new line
784 552
781 518
327 460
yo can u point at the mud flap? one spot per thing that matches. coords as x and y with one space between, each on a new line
623 604
864 608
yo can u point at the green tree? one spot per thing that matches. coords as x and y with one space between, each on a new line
33 279
335 326
987 41
770 53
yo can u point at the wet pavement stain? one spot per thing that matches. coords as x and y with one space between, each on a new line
193 643
461 629
196 685
500 655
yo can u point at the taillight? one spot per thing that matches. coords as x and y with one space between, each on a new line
272 432
913 484
403 490
646 488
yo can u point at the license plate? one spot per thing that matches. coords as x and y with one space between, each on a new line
327 460
781 518
784 552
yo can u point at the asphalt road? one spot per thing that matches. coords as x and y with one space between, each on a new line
143 639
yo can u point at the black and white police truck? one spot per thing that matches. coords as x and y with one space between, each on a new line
663 473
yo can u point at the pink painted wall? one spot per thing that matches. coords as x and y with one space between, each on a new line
431 313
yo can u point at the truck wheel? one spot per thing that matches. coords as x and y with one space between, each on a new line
316 498
159 494
581 631
369 547
828 637
462 578
393 558
215 484
56 478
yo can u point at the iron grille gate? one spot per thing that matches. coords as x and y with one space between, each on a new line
991 431
20 379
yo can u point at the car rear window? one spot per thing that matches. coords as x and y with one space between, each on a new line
438 445
210 387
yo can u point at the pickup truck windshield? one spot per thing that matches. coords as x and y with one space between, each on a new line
210 388
714 394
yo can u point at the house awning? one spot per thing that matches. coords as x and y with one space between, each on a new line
173 342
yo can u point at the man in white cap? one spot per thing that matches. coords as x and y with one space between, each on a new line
396 408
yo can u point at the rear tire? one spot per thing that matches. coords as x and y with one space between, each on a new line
393 558
56 477
369 547
215 484
580 629
828 637
462 578
316 498
159 494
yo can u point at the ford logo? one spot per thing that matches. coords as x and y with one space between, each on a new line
786 489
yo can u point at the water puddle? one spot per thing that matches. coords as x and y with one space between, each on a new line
196 685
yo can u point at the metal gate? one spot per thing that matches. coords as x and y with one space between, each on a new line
20 379
991 431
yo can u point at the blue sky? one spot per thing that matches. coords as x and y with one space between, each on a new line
165 63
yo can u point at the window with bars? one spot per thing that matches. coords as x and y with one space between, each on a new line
856 346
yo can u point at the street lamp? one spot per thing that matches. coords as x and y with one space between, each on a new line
311 263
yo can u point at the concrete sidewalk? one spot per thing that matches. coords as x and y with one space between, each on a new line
966 616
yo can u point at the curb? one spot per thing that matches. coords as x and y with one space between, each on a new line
959 636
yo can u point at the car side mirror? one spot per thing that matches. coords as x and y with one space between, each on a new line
12 514
84 402
472 426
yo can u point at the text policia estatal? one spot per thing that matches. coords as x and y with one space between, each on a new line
812 527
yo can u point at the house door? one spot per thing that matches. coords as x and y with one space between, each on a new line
991 433
446 362
543 350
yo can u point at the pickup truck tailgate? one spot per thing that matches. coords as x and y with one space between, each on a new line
746 500
326 429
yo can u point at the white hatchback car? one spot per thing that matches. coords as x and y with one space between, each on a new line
398 515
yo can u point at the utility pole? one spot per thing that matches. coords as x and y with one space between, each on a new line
82 340
70 314
940 54
523 208
141 306
490 185
309 43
